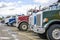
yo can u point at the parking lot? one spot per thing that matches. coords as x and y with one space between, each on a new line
12 33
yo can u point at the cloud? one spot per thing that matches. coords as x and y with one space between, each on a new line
8 8
45 2
9 3
14 8
4 4
23 9
19 2
41 1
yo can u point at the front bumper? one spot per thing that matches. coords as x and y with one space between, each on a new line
31 27
39 30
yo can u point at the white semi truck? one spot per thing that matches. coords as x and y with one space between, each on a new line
32 21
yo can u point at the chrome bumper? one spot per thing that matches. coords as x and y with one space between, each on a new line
31 27
39 30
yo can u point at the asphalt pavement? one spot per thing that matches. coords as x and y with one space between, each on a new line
12 33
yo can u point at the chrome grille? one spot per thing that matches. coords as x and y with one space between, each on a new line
30 20
38 20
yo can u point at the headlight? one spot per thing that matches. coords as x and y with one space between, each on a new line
45 20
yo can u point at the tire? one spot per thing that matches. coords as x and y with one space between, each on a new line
53 33
43 36
11 24
7 24
22 25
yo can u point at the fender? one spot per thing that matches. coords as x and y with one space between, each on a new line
22 22
50 23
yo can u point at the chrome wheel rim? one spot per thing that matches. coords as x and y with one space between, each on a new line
56 34
24 27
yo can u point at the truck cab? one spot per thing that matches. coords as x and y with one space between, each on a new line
22 22
6 19
10 20
48 23
32 21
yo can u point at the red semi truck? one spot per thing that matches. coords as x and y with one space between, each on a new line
22 22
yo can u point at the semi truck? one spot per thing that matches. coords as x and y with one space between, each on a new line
32 21
10 21
22 22
48 23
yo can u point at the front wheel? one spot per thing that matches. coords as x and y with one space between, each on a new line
53 32
23 26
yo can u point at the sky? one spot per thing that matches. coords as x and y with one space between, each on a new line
13 7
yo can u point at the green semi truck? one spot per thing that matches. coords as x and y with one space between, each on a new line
48 23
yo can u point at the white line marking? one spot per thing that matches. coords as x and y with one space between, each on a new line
16 39
14 35
5 38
